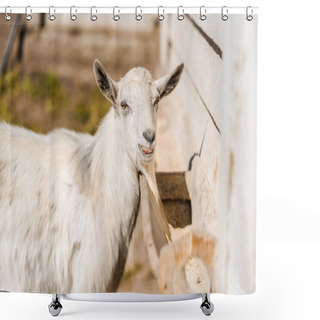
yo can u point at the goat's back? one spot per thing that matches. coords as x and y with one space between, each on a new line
35 175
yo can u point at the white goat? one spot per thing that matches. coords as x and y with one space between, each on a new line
69 201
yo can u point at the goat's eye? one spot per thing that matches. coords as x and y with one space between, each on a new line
123 105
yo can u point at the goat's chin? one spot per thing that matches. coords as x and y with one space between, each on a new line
143 158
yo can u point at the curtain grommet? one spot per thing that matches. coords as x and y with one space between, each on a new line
249 16
116 17
203 13
73 16
160 16
224 13
93 17
51 16
7 16
180 13
138 16
28 15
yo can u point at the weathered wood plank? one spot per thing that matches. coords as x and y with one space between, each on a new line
186 265
210 40
227 163
203 200
187 123
214 28
177 210
210 155
150 239
237 173
202 65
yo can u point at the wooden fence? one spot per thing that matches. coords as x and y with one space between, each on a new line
211 125
207 133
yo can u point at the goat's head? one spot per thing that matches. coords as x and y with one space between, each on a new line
135 100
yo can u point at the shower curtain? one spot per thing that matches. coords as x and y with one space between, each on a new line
127 153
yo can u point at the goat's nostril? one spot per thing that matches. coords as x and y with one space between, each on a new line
149 135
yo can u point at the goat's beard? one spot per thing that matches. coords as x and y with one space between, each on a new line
158 217
149 171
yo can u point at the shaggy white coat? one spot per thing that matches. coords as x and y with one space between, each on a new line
69 201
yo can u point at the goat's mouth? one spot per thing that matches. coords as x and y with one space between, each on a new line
146 152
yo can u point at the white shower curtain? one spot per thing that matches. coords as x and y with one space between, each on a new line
128 154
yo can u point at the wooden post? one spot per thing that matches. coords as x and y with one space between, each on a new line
22 35
9 45
212 113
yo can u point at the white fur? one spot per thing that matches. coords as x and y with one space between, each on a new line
68 201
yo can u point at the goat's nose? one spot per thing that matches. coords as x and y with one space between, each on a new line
149 135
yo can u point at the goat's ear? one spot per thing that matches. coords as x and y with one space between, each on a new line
107 86
166 84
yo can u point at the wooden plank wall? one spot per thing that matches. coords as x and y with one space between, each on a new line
211 116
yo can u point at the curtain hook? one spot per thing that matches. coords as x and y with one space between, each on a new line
224 13
28 16
138 16
203 13
7 16
160 16
51 16
73 17
180 14
116 17
93 17
249 16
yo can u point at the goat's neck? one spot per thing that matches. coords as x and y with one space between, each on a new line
110 178
114 178
112 168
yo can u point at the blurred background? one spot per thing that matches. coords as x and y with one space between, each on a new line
46 78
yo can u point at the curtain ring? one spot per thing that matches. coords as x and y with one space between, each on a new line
116 17
93 17
180 14
203 13
51 16
7 16
224 13
160 16
249 17
138 16
73 17
28 16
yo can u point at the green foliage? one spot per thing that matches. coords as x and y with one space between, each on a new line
47 89
5 113
90 108
42 102
8 81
